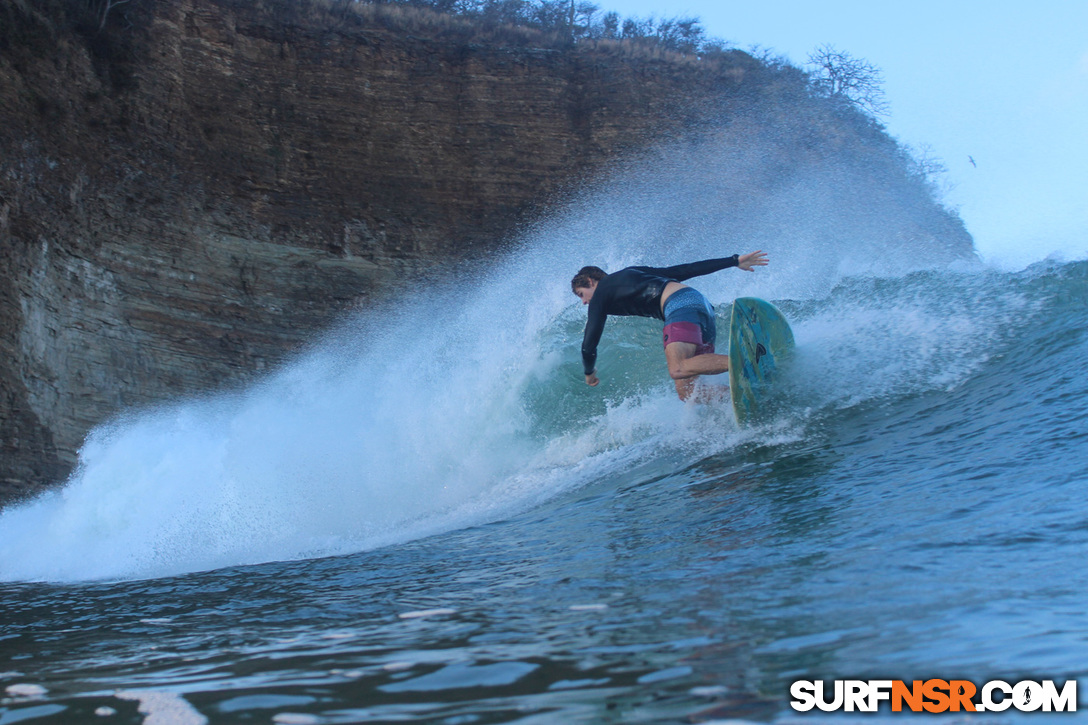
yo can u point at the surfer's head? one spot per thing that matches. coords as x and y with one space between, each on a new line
585 282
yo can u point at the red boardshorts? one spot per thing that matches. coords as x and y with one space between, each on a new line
690 318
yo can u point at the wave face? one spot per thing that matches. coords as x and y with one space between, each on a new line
463 403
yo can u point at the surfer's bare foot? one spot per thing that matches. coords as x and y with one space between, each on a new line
711 394
685 388
704 393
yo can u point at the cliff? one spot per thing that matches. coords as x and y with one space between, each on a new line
191 191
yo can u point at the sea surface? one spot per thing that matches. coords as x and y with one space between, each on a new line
429 518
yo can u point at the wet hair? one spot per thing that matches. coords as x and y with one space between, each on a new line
585 276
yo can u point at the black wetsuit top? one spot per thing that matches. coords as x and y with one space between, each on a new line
637 291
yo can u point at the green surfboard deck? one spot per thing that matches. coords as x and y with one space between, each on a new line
760 341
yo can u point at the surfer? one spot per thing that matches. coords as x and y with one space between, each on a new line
657 292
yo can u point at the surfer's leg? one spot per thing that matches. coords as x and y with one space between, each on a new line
685 361
688 337
684 388
685 365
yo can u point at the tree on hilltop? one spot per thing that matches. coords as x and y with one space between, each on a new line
579 19
839 75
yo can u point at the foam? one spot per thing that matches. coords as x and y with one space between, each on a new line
463 402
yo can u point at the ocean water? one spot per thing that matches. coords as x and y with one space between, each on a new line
428 517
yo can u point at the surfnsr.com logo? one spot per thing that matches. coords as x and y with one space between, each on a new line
934 696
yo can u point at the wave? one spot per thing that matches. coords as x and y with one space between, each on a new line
464 403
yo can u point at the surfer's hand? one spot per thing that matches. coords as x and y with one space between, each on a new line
754 259
592 380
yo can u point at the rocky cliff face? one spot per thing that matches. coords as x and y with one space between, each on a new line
190 193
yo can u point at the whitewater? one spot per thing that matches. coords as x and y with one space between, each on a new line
429 517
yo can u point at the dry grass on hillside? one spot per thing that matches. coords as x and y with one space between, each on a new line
343 15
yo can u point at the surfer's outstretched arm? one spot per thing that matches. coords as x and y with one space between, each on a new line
682 272
753 259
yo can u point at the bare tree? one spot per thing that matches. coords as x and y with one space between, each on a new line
928 167
926 161
838 74
682 34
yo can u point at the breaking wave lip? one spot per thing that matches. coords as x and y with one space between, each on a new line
332 456
462 403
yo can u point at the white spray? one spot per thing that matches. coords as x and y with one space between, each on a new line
433 413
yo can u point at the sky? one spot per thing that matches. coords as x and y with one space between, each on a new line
1002 83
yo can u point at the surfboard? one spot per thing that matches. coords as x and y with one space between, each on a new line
760 342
